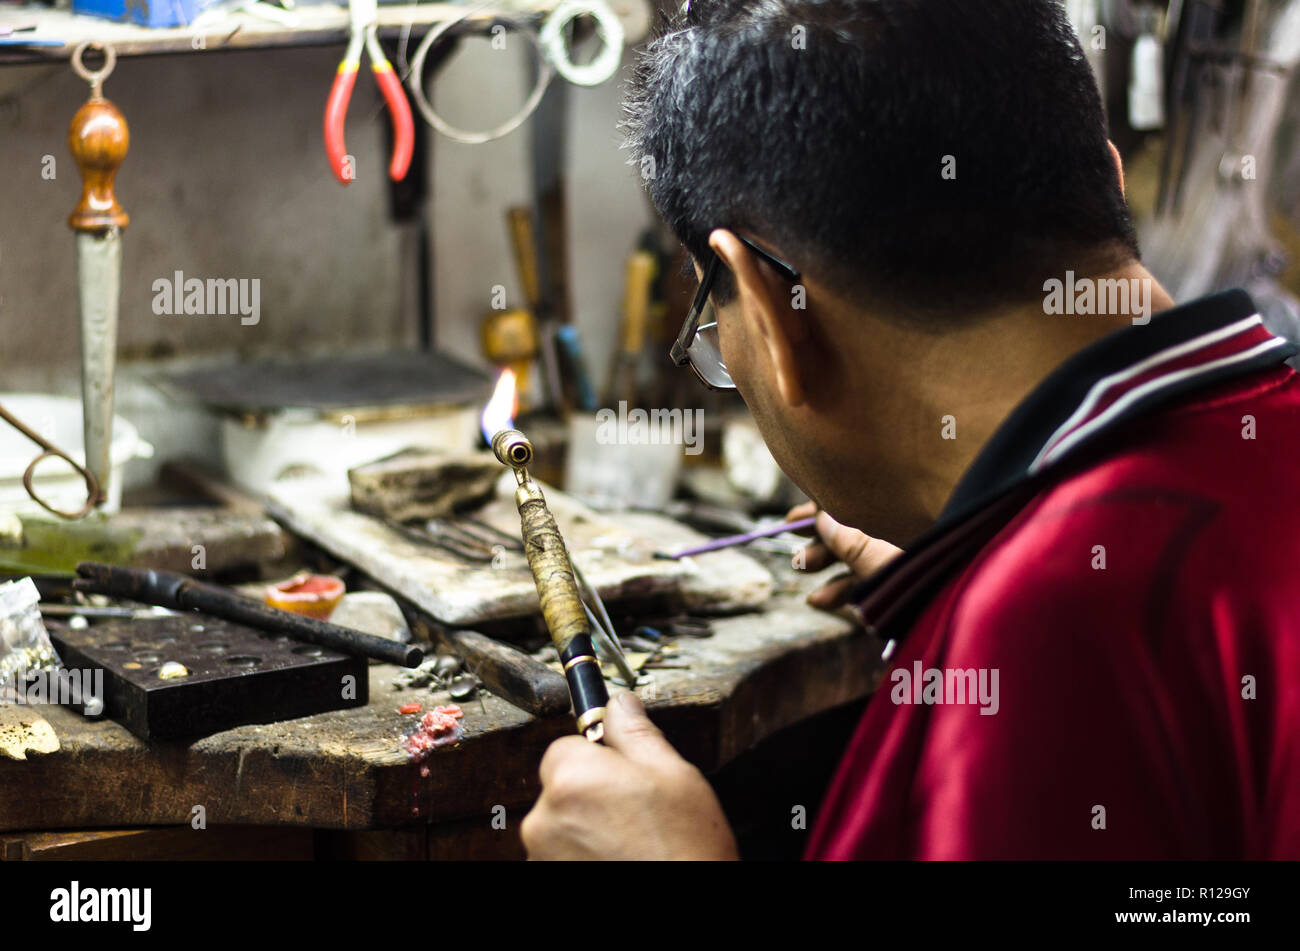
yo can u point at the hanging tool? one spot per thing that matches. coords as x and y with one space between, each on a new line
625 368
510 337
98 139
365 32
548 153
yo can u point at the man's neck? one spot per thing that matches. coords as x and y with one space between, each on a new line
957 387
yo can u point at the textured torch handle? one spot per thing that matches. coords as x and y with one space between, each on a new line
562 609
549 561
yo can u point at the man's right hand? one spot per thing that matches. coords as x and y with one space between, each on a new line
861 554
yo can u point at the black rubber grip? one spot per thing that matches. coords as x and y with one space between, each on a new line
586 682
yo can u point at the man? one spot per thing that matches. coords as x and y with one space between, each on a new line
912 230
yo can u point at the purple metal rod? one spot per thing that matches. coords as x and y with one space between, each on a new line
734 540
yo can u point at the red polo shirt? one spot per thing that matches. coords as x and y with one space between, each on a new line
1096 651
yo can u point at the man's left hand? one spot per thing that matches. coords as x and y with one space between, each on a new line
633 798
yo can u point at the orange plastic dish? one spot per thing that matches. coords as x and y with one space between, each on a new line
307 594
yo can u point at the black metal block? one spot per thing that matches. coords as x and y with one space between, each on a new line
237 675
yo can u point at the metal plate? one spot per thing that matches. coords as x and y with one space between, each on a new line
335 383
237 675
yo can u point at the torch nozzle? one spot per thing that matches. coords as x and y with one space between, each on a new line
512 448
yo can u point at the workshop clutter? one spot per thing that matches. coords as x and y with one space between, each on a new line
633 465
1228 107
59 482
551 44
387 552
151 13
25 647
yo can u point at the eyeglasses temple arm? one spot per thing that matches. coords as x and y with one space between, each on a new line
692 322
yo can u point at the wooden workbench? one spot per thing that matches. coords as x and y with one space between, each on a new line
758 674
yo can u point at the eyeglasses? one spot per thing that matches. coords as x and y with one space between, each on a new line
698 344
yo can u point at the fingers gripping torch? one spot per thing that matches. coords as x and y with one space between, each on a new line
557 588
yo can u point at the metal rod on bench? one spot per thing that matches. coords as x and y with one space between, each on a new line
168 590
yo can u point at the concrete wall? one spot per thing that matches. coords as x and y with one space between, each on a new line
227 177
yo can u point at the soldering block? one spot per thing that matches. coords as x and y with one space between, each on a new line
236 675
420 484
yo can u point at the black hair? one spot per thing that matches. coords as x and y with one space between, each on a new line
934 155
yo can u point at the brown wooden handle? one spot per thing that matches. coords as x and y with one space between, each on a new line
636 300
512 674
98 139
524 245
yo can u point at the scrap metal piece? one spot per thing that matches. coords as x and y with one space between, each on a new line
463 687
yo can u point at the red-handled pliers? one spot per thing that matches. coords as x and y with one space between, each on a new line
365 17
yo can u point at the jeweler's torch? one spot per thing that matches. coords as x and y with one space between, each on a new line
556 587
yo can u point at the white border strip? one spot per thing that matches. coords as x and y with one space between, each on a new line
1128 399
1105 383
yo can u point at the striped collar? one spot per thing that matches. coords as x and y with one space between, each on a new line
1113 380
1118 378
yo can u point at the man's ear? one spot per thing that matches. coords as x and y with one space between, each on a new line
765 304
1119 165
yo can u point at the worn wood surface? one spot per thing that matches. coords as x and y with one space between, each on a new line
203 540
344 770
198 540
230 844
615 553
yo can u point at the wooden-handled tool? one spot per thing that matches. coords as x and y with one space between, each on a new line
509 673
523 244
98 139
511 338
625 367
